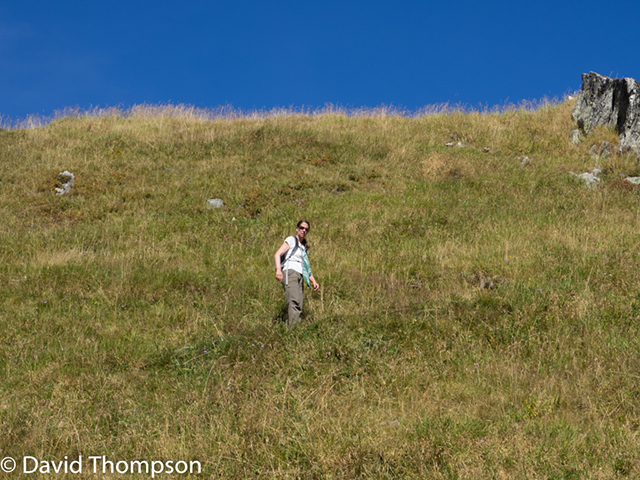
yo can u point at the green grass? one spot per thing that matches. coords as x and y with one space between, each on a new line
138 324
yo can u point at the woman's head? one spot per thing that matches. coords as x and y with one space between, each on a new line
301 230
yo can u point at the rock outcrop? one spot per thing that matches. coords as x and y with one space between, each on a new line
613 102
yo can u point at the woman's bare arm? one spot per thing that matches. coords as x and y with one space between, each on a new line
284 248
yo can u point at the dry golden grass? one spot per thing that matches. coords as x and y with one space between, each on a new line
477 318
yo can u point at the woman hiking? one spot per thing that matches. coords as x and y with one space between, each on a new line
292 267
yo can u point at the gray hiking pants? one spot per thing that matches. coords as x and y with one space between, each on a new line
293 294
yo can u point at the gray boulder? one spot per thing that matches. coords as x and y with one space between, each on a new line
610 102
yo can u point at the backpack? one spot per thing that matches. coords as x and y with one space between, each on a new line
284 258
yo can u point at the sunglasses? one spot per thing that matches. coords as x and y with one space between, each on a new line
303 228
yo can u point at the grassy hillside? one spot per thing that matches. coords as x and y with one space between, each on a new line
139 324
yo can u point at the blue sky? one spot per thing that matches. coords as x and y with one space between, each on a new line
262 55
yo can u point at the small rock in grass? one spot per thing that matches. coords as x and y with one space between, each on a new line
590 178
600 151
575 137
483 281
66 180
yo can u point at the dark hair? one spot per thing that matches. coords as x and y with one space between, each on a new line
304 242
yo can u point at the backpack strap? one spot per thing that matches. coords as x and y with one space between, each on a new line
292 252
